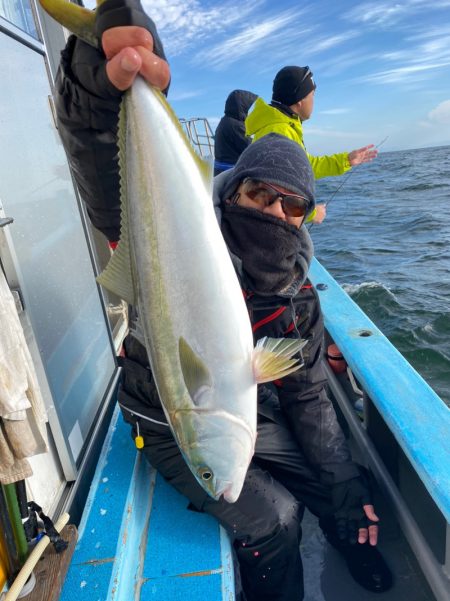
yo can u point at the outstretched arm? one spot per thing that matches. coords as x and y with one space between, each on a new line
362 155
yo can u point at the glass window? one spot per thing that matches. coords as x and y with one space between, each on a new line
56 275
20 14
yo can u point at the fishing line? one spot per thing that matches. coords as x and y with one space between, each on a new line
346 179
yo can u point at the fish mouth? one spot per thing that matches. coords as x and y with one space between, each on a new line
228 491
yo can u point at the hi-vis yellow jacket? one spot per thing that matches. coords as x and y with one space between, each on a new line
265 119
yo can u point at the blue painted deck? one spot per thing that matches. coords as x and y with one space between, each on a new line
138 540
417 417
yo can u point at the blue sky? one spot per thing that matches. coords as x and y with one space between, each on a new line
382 68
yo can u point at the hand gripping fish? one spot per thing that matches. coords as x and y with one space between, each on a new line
173 265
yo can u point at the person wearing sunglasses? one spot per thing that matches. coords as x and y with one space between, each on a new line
301 456
292 103
262 205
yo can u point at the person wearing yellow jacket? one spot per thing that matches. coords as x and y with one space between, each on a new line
292 103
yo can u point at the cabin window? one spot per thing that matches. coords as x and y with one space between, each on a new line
20 14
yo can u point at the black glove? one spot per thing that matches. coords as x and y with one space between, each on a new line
88 63
348 498
119 13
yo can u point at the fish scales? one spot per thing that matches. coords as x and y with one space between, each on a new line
185 280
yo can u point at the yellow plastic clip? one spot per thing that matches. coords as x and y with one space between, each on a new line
139 440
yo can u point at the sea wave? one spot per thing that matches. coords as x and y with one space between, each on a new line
354 289
386 240
423 186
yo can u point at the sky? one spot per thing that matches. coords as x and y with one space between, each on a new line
382 69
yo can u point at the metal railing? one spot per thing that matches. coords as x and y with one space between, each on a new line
200 134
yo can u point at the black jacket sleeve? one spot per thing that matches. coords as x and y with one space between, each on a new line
87 108
311 414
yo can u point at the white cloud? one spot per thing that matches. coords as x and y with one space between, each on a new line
430 32
332 133
402 74
388 14
180 95
376 13
183 24
441 114
247 41
331 41
334 112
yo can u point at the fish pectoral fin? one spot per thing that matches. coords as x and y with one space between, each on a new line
195 373
273 358
117 275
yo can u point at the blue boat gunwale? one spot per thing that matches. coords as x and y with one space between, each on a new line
415 414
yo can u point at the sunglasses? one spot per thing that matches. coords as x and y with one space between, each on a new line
264 195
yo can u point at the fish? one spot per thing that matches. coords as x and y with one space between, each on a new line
173 265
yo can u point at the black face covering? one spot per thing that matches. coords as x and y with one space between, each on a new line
266 245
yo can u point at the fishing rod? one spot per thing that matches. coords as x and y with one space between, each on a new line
346 179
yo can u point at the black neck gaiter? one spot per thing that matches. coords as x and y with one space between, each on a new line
266 245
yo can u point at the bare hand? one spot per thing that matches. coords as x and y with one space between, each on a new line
129 51
362 155
371 533
321 211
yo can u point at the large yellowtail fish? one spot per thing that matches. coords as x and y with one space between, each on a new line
173 265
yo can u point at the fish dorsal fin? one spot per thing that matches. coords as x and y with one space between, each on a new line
117 277
272 358
205 166
195 373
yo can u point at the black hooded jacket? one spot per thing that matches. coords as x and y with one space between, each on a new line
87 111
230 139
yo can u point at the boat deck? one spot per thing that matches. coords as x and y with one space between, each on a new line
138 540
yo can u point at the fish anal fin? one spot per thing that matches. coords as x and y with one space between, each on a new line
117 275
273 358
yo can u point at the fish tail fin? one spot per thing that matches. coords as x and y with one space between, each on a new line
77 19
273 358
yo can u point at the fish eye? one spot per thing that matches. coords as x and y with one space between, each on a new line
205 473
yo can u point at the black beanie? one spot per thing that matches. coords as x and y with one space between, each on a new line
290 85
276 160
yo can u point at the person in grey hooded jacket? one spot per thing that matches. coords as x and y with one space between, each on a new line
301 456
229 138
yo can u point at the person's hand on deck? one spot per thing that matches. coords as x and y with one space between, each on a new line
371 532
362 155
356 520
129 51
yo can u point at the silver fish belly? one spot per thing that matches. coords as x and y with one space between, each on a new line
187 289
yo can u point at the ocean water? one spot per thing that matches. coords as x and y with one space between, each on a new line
386 240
